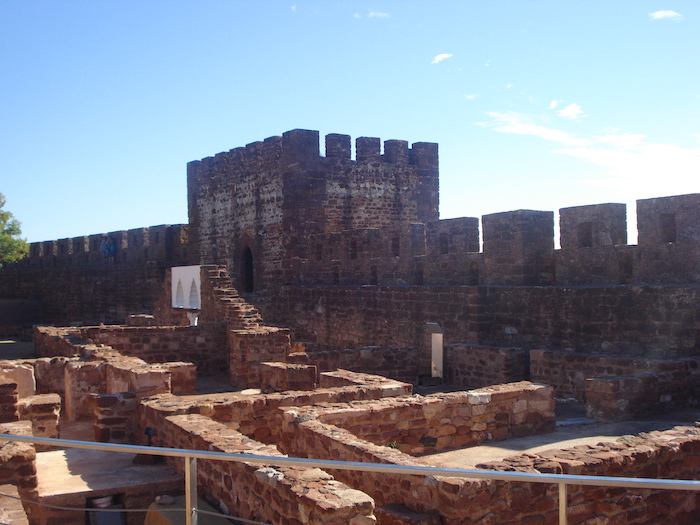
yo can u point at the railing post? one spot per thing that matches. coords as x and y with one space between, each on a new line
562 503
190 490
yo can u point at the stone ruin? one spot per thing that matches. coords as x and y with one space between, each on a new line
317 280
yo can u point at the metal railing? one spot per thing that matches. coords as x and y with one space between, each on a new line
191 457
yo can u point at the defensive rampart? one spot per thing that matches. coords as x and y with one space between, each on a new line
97 278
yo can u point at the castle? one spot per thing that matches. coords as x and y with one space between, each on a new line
356 245
350 267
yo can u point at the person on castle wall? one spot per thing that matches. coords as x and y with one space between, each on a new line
104 248
112 250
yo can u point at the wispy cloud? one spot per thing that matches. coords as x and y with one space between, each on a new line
471 96
633 165
520 124
666 15
553 104
372 14
442 56
572 111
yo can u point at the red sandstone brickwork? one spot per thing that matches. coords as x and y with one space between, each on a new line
258 416
284 188
252 347
473 366
283 495
567 372
75 283
49 374
378 431
8 401
82 378
623 398
44 411
278 377
18 460
436 423
650 321
205 346
673 454
401 364
113 419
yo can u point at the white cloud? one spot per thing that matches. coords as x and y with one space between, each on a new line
572 111
378 14
442 56
620 140
644 170
294 9
553 104
632 165
666 15
471 96
522 125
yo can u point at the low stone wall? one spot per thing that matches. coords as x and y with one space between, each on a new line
99 369
205 346
18 460
567 372
8 401
82 378
49 373
377 432
283 495
278 377
629 397
109 373
251 347
671 454
401 364
44 411
259 416
50 341
113 417
474 366
20 373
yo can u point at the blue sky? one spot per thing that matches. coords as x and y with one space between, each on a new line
535 104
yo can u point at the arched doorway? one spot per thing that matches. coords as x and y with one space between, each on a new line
247 276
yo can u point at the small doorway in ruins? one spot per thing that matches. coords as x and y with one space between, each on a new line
247 272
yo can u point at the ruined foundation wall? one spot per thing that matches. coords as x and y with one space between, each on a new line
401 364
258 416
474 366
205 346
567 372
284 495
380 432
671 454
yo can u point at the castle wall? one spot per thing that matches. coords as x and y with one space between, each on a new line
75 282
651 321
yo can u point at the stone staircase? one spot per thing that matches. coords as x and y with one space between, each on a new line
239 314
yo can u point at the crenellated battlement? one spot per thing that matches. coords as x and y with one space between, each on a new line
155 243
302 145
518 249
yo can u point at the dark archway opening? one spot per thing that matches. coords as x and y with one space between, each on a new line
247 276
